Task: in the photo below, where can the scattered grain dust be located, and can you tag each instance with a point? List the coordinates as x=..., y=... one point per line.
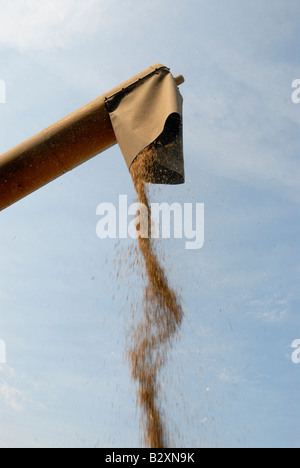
x=160, y=319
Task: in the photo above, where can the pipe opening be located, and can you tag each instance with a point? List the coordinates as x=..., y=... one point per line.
x=166, y=154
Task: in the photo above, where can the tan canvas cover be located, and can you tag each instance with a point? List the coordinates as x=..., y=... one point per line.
x=150, y=111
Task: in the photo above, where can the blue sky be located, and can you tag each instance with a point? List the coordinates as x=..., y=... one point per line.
x=230, y=381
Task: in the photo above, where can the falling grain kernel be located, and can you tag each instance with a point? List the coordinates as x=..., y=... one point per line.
x=160, y=320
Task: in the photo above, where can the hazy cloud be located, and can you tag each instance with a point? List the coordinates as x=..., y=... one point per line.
x=48, y=24
x=269, y=309
x=9, y=395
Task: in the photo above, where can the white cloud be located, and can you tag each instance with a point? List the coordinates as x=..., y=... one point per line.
x=10, y=395
x=228, y=376
x=268, y=309
x=45, y=25
x=16, y=391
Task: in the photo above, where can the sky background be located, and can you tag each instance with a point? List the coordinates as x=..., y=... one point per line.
x=230, y=380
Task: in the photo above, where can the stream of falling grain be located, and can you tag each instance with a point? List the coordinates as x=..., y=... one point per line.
x=160, y=321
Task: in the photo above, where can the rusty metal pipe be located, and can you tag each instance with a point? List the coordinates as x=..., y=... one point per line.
x=61, y=147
